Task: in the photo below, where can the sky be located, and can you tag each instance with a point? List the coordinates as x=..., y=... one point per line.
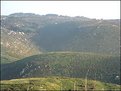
x=90, y=9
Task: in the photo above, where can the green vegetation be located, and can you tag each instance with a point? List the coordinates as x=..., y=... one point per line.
x=55, y=83
x=7, y=59
x=70, y=64
x=38, y=47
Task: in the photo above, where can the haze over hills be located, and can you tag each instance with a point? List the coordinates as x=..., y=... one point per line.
x=54, y=45
x=51, y=32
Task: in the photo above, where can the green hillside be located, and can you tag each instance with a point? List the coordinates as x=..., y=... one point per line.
x=56, y=83
x=105, y=68
x=54, y=51
x=7, y=59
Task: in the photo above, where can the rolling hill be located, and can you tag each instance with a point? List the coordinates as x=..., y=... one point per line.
x=95, y=66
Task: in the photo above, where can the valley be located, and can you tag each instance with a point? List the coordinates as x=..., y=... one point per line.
x=55, y=52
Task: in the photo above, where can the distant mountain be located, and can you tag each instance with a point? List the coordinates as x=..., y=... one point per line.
x=105, y=68
x=53, y=32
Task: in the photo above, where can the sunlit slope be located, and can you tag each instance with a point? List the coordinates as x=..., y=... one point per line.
x=56, y=83
x=15, y=45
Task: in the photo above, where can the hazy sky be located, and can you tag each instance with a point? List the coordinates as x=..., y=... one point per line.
x=91, y=9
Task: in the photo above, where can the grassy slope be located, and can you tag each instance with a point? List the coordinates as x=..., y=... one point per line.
x=56, y=83
x=7, y=59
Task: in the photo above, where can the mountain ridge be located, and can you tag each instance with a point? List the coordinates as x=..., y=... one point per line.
x=62, y=33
